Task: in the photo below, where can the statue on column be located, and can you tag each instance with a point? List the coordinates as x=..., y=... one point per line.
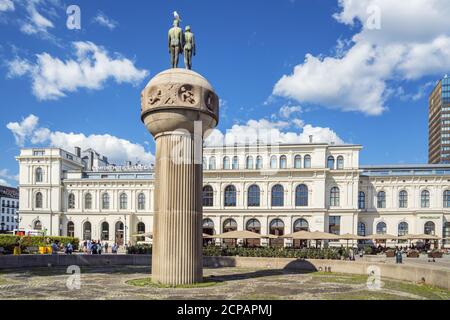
x=175, y=42
x=188, y=47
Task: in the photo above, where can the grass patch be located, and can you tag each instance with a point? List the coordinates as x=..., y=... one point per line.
x=148, y=283
x=2, y=280
x=364, y=295
x=422, y=290
x=258, y=296
x=341, y=278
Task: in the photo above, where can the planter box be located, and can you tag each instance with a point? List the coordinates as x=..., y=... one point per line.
x=435, y=255
x=390, y=254
x=412, y=254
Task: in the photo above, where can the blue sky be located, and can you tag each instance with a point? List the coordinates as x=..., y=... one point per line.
x=344, y=71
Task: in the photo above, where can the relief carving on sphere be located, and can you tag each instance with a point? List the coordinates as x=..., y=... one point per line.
x=211, y=101
x=186, y=94
x=162, y=95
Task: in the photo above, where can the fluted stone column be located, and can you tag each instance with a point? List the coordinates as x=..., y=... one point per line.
x=179, y=107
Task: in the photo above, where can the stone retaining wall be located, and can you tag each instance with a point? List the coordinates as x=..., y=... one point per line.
x=433, y=275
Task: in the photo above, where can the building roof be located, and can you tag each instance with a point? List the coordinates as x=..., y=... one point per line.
x=9, y=192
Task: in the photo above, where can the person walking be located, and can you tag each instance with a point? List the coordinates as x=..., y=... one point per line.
x=106, y=247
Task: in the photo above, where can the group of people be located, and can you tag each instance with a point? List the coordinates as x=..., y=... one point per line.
x=97, y=247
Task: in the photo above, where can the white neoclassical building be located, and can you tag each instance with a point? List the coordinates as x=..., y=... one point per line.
x=267, y=189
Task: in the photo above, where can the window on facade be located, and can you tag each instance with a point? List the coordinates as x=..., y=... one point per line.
x=361, y=200
x=254, y=196
x=330, y=163
x=71, y=201
x=307, y=162
x=105, y=231
x=340, y=162
x=230, y=196
x=105, y=201
x=425, y=199
x=334, y=224
x=273, y=162
x=141, y=201
x=226, y=163
x=277, y=227
x=447, y=199
x=259, y=162
x=205, y=163
x=334, y=197
x=283, y=162
x=361, y=229
x=381, y=199
x=253, y=225
x=249, y=162
x=38, y=200
x=381, y=228
x=297, y=162
x=70, y=229
x=229, y=225
x=402, y=228
x=301, y=196
x=429, y=228
x=208, y=226
x=87, y=231
x=37, y=225
x=123, y=199
x=208, y=196
x=88, y=201
x=446, y=232
x=403, y=199
x=301, y=225
x=39, y=175
x=212, y=163
x=235, y=164
x=140, y=230
x=277, y=196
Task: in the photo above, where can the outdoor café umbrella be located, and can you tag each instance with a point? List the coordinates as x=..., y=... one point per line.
x=147, y=235
x=419, y=237
x=207, y=236
x=316, y=235
x=349, y=236
x=244, y=234
x=381, y=237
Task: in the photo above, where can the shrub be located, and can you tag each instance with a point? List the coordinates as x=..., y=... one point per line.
x=140, y=249
x=9, y=241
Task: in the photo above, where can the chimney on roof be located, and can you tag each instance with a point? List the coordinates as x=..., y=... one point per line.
x=78, y=152
x=128, y=163
x=310, y=139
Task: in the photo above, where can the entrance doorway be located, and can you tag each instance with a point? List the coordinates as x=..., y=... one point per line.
x=119, y=233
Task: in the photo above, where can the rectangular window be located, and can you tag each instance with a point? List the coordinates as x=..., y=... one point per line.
x=38, y=153
x=334, y=224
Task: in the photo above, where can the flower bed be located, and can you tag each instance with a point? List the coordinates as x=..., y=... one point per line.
x=8, y=242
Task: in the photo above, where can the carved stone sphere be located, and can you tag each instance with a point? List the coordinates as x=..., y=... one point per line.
x=175, y=99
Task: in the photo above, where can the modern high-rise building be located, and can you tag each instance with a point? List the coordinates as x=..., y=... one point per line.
x=439, y=123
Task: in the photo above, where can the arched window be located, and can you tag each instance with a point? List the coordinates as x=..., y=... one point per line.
x=402, y=228
x=361, y=200
x=249, y=162
x=403, y=199
x=301, y=225
x=361, y=229
x=38, y=200
x=330, y=163
x=447, y=199
x=283, y=162
x=340, y=162
x=37, y=225
x=446, y=232
x=229, y=225
x=140, y=230
x=212, y=163
x=123, y=199
x=119, y=232
x=297, y=162
x=253, y=225
x=429, y=228
x=39, y=175
x=277, y=227
x=208, y=196
x=425, y=199
x=235, y=164
x=301, y=196
x=71, y=201
x=88, y=201
x=105, y=231
x=381, y=228
x=273, y=162
x=87, y=231
x=208, y=226
x=141, y=201
x=205, y=163
x=226, y=163
x=70, y=229
x=259, y=162
x=277, y=196
x=334, y=197
x=307, y=162
x=381, y=199
x=230, y=196
x=254, y=196
x=105, y=201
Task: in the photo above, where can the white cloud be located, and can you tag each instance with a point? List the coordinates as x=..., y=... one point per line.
x=105, y=21
x=6, y=5
x=286, y=111
x=116, y=149
x=6, y=178
x=36, y=22
x=52, y=78
x=413, y=41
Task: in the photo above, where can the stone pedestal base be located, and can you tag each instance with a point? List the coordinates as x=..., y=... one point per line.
x=177, y=236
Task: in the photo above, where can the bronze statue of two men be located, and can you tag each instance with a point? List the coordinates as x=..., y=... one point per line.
x=181, y=43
